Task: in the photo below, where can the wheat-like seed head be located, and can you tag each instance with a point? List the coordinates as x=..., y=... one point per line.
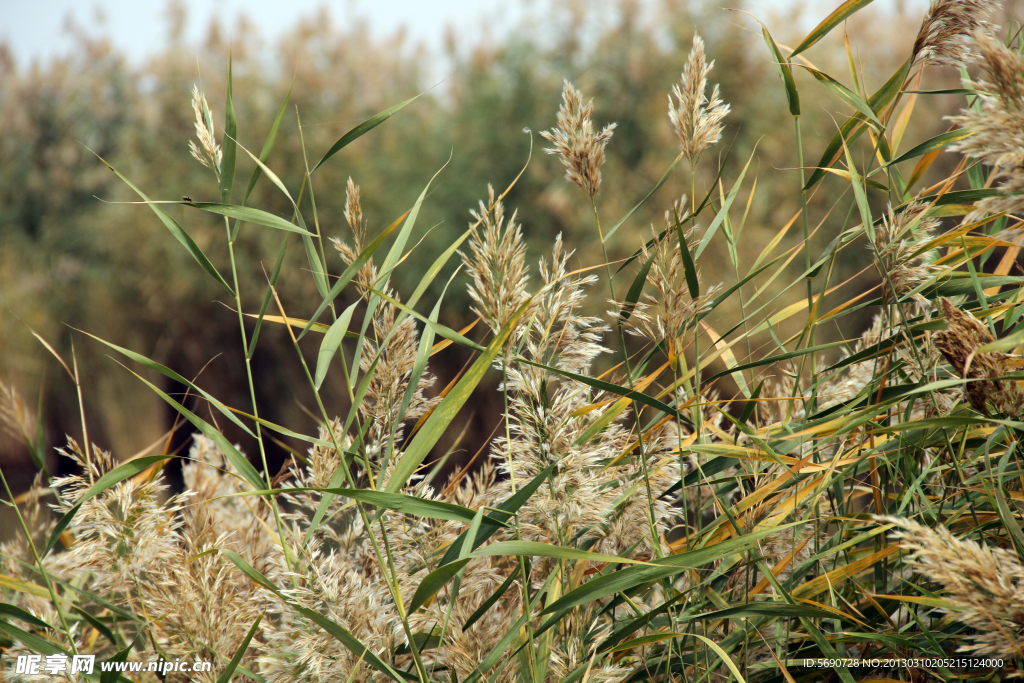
x=354, y=214
x=207, y=152
x=668, y=314
x=496, y=263
x=696, y=119
x=578, y=147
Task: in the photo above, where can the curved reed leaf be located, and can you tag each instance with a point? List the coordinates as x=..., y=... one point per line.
x=176, y=230
x=362, y=129
x=249, y=215
x=838, y=16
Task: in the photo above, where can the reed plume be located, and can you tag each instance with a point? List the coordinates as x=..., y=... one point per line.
x=984, y=584
x=207, y=152
x=577, y=145
x=900, y=249
x=696, y=119
x=945, y=34
x=987, y=392
x=997, y=125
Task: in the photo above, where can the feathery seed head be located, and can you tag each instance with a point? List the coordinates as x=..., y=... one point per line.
x=496, y=263
x=579, y=148
x=988, y=393
x=354, y=213
x=985, y=584
x=997, y=126
x=207, y=152
x=669, y=313
x=945, y=32
x=696, y=119
x=898, y=245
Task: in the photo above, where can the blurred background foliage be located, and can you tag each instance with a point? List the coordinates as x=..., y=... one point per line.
x=71, y=257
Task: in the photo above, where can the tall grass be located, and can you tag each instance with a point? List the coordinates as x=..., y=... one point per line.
x=629, y=519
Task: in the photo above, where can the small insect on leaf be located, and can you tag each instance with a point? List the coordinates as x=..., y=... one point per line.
x=186, y=198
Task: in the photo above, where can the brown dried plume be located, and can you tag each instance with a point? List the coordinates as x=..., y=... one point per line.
x=989, y=394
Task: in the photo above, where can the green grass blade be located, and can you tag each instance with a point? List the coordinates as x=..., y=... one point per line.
x=171, y=374
x=122, y=656
x=228, y=144
x=249, y=215
x=690, y=270
x=637, y=396
x=635, y=290
x=785, y=71
x=362, y=129
x=507, y=508
x=390, y=261
x=624, y=580
x=713, y=228
x=268, y=145
x=435, y=581
x=854, y=126
x=31, y=640
x=539, y=549
x=229, y=670
x=446, y=411
x=938, y=142
x=847, y=95
x=331, y=343
x=267, y=296
x=837, y=17
x=339, y=632
x=176, y=230
x=349, y=273
x=239, y=461
x=8, y=610
x=860, y=194
x=654, y=189
x=400, y=502
x=723, y=656
x=493, y=598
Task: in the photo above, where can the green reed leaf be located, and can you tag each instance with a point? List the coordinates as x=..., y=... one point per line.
x=362, y=129
x=838, y=16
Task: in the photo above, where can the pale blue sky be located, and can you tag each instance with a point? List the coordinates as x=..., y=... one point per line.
x=34, y=29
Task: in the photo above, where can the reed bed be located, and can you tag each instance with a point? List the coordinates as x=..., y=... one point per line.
x=650, y=508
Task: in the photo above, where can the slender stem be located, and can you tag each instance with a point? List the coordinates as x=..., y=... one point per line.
x=807, y=266
x=655, y=542
x=87, y=447
x=252, y=395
